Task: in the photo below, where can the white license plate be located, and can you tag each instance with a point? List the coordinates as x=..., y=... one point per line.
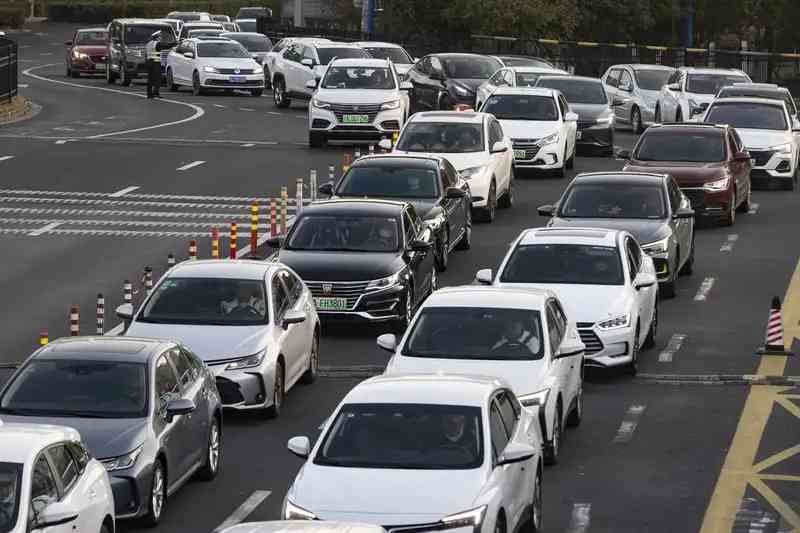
x=99, y=66
x=578, y=135
x=520, y=154
x=355, y=119
x=238, y=79
x=331, y=304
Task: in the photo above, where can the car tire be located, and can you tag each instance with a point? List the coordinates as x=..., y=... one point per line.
x=500, y=524
x=434, y=280
x=278, y=391
x=633, y=367
x=267, y=79
x=465, y=243
x=576, y=415
x=446, y=103
x=316, y=140
x=507, y=200
x=171, y=85
x=729, y=219
x=552, y=446
x=124, y=79
x=104, y=529
x=636, y=120
x=257, y=92
x=111, y=78
x=442, y=249
x=650, y=340
x=73, y=73
x=197, y=89
x=744, y=207
x=487, y=214
x=688, y=267
x=571, y=160
x=408, y=311
x=561, y=172
x=213, y=453
x=536, y=504
x=158, y=495
x=279, y=94
x=310, y=375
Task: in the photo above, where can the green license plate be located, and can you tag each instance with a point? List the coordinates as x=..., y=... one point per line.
x=520, y=154
x=355, y=119
x=331, y=304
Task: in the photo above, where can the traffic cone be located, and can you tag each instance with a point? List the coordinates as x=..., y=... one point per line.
x=774, y=339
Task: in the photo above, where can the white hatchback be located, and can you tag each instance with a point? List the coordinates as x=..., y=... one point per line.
x=423, y=453
x=213, y=63
x=520, y=335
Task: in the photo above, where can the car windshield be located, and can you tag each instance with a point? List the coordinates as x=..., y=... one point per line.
x=441, y=137
x=742, y=115
x=681, y=146
x=82, y=388
x=395, y=55
x=711, y=83
x=608, y=200
x=252, y=43
x=404, y=436
x=221, y=49
x=651, y=80
x=207, y=301
x=10, y=495
x=574, y=264
x=471, y=67
x=389, y=182
x=140, y=34
x=326, y=54
x=514, y=61
x=345, y=233
x=198, y=33
x=358, y=78
x=521, y=107
x=247, y=25
x=576, y=91
x=91, y=38
x=476, y=333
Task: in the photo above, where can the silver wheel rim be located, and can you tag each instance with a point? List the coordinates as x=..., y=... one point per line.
x=537, y=504
x=277, y=393
x=157, y=499
x=556, y=434
x=314, y=358
x=277, y=91
x=213, y=448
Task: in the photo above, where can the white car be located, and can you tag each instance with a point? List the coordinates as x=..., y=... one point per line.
x=49, y=482
x=513, y=77
x=768, y=132
x=541, y=126
x=637, y=86
x=253, y=323
x=475, y=144
x=522, y=336
x=277, y=48
x=302, y=526
x=210, y=63
x=689, y=90
x=392, y=52
x=605, y=281
x=423, y=452
x=357, y=99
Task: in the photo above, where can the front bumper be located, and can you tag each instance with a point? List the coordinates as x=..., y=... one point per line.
x=544, y=157
x=242, y=389
x=596, y=136
x=228, y=81
x=87, y=67
x=374, y=306
x=382, y=124
x=708, y=204
x=770, y=165
x=131, y=489
x=606, y=348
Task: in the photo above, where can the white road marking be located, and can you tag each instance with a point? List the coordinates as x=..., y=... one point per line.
x=46, y=54
x=61, y=213
x=248, y=145
x=273, y=113
x=125, y=203
x=190, y=165
x=141, y=196
x=673, y=346
x=44, y=229
x=301, y=117
x=123, y=192
x=6, y=157
x=127, y=223
x=580, y=519
x=728, y=246
x=61, y=141
x=753, y=209
x=702, y=292
x=220, y=106
x=246, y=109
x=22, y=85
x=114, y=233
x=629, y=423
x=63, y=128
x=244, y=510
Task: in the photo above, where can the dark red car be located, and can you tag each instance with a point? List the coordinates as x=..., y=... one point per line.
x=708, y=161
x=86, y=52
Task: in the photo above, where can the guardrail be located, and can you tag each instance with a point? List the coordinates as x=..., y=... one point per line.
x=8, y=69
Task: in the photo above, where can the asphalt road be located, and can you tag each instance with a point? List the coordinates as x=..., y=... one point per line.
x=94, y=192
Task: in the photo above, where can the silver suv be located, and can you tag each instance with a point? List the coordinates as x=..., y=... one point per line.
x=637, y=86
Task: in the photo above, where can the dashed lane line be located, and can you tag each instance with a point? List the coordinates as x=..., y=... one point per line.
x=6, y=157
x=190, y=165
x=248, y=145
x=753, y=209
x=580, y=519
x=728, y=245
x=52, y=223
x=111, y=233
x=629, y=423
x=246, y=109
x=44, y=229
x=120, y=203
x=61, y=141
x=173, y=141
x=123, y=192
x=274, y=113
x=672, y=347
x=139, y=196
x=705, y=288
x=63, y=212
x=244, y=510
x=220, y=106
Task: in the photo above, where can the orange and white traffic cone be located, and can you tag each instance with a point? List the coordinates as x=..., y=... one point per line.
x=774, y=339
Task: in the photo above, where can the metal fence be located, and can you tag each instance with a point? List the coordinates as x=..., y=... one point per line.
x=8, y=69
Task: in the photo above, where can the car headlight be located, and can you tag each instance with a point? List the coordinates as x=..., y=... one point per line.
x=258, y=70
x=621, y=321
x=472, y=518
x=79, y=55
x=606, y=120
x=782, y=148
x=247, y=362
x=210, y=70
x=717, y=185
x=294, y=512
x=470, y=172
x=319, y=104
x=656, y=247
x=388, y=281
x=123, y=461
x=394, y=104
x=536, y=398
x=550, y=139
x=460, y=90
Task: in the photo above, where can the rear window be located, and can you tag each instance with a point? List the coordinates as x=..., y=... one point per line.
x=681, y=146
x=742, y=115
x=326, y=54
x=577, y=91
x=91, y=38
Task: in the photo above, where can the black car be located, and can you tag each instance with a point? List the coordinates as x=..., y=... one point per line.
x=368, y=260
x=442, y=81
x=431, y=184
x=126, y=54
x=649, y=206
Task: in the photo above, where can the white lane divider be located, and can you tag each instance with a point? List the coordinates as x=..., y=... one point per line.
x=44, y=229
x=673, y=346
x=702, y=292
x=22, y=85
x=728, y=246
x=6, y=157
x=220, y=106
x=248, y=145
x=629, y=423
x=61, y=141
x=190, y=165
x=123, y=192
x=66, y=212
x=141, y=196
x=244, y=510
x=753, y=209
x=246, y=109
x=273, y=113
x=580, y=519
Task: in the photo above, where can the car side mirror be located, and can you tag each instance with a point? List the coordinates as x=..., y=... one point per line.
x=326, y=189
x=546, y=210
x=276, y=242
x=516, y=452
x=406, y=86
x=499, y=147
x=674, y=87
x=178, y=407
x=454, y=192
x=125, y=312
x=684, y=213
x=415, y=59
x=644, y=279
x=311, y=84
x=624, y=154
x=571, y=117
x=300, y=446
x=188, y=55
x=420, y=246
x=307, y=62
x=388, y=342
x=743, y=156
x=385, y=144
x=484, y=276
x=293, y=317
x=53, y=514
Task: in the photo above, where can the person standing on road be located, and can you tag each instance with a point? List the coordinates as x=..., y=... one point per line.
x=160, y=40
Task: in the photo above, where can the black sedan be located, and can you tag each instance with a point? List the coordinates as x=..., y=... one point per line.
x=442, y=81
x=430, y=183
x=367, y=260
x=649, y=206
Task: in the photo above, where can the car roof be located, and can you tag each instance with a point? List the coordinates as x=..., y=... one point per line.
x=303, y=526
x=333, y=44
x=491, y=297
x=22, y=442
x=437, y=389
x=360, y=62
x=617, y=176
x=708, y=70
x=687, y=126
x=142, y=22
x=208, y=38
x=642, y=66
x=377, y=44
x=532, y=91
x=585, y=236
x=205, y=23
x=748, y=100
x=103, y=348
x=454, y=55
x=244, y=34
x=572, y=78
x=228, y=269
x=463, y=117
x=536, y=70
x=81, y=30
x=355, y=206
x=397, y=160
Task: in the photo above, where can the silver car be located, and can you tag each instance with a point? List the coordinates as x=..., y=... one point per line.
x=637, y=86
x=254, y=324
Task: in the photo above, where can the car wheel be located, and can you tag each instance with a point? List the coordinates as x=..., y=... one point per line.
x=274, y=410
x=729, y=219
x=442, y=248
x=486, y=214
x=267, y=79
x=257, y=92
x=576, y=415
x=104, y=529
x=197, y=89
x=552, y=446
x=466, y=238
x=562, y=171
x=434, y=281
x=310, y=375
x=124, y=79
x=507, y=200
x=408, y=310
x=446, y=103
x=171, y=85
x=536, y=505
x=571, y=161
x=500, y=524
x=158, y=495
x=213, y=451
x=279, y=94
x=744, y=207
x=110, y=77
x=633, y=367
x=688, y=267
x=650, y=340
x=636, y=120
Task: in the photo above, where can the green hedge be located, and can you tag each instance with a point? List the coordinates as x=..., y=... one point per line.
x=98, y=11
x=12, y=15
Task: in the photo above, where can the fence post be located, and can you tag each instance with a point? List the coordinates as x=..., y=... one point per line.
x=233, y=241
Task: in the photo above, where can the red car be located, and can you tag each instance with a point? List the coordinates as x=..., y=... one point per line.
x=708, y=161
x=86, y=52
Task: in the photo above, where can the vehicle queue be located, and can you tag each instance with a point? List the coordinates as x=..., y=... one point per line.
x=483, y=378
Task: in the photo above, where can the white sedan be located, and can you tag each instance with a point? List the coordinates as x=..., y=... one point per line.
x=49, y=482
x=518, y=76
x=423, y=452
x=475, y=144
x=605, y=281
x=213, y=63
x=254, y=324
x=520, y=335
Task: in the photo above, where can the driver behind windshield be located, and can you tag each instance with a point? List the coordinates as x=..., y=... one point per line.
x=245, y=299
x=516, y=334
x=8, y=499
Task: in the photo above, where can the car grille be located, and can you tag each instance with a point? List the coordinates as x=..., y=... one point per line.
x=164, y=55
x=762, y=157
x=356, y=109
x=240, y=71
x=229, y=391
x=589, y=338
x=696, y=196
x=526, y=144
x=351, y=290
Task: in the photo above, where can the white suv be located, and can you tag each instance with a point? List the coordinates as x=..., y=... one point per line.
x=303, y=61
x=522, y=336
x=392, y=52
x=357, y=99
x=213, y=63
x=689, y=90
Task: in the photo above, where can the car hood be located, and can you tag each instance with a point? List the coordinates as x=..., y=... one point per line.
x=341, y=266
x=230, y=62
x=356, y=96
x=470, y=83
x=590, y=111
x=643, y=230
x=90, y=49
x=105, y=437
x=760, y=139
x=208, y=342
x=460, y=161
x=529, y=129
x=425, y=493
x=423, y=206
x=686, y=174
x=606, y=300
x=700, y=98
